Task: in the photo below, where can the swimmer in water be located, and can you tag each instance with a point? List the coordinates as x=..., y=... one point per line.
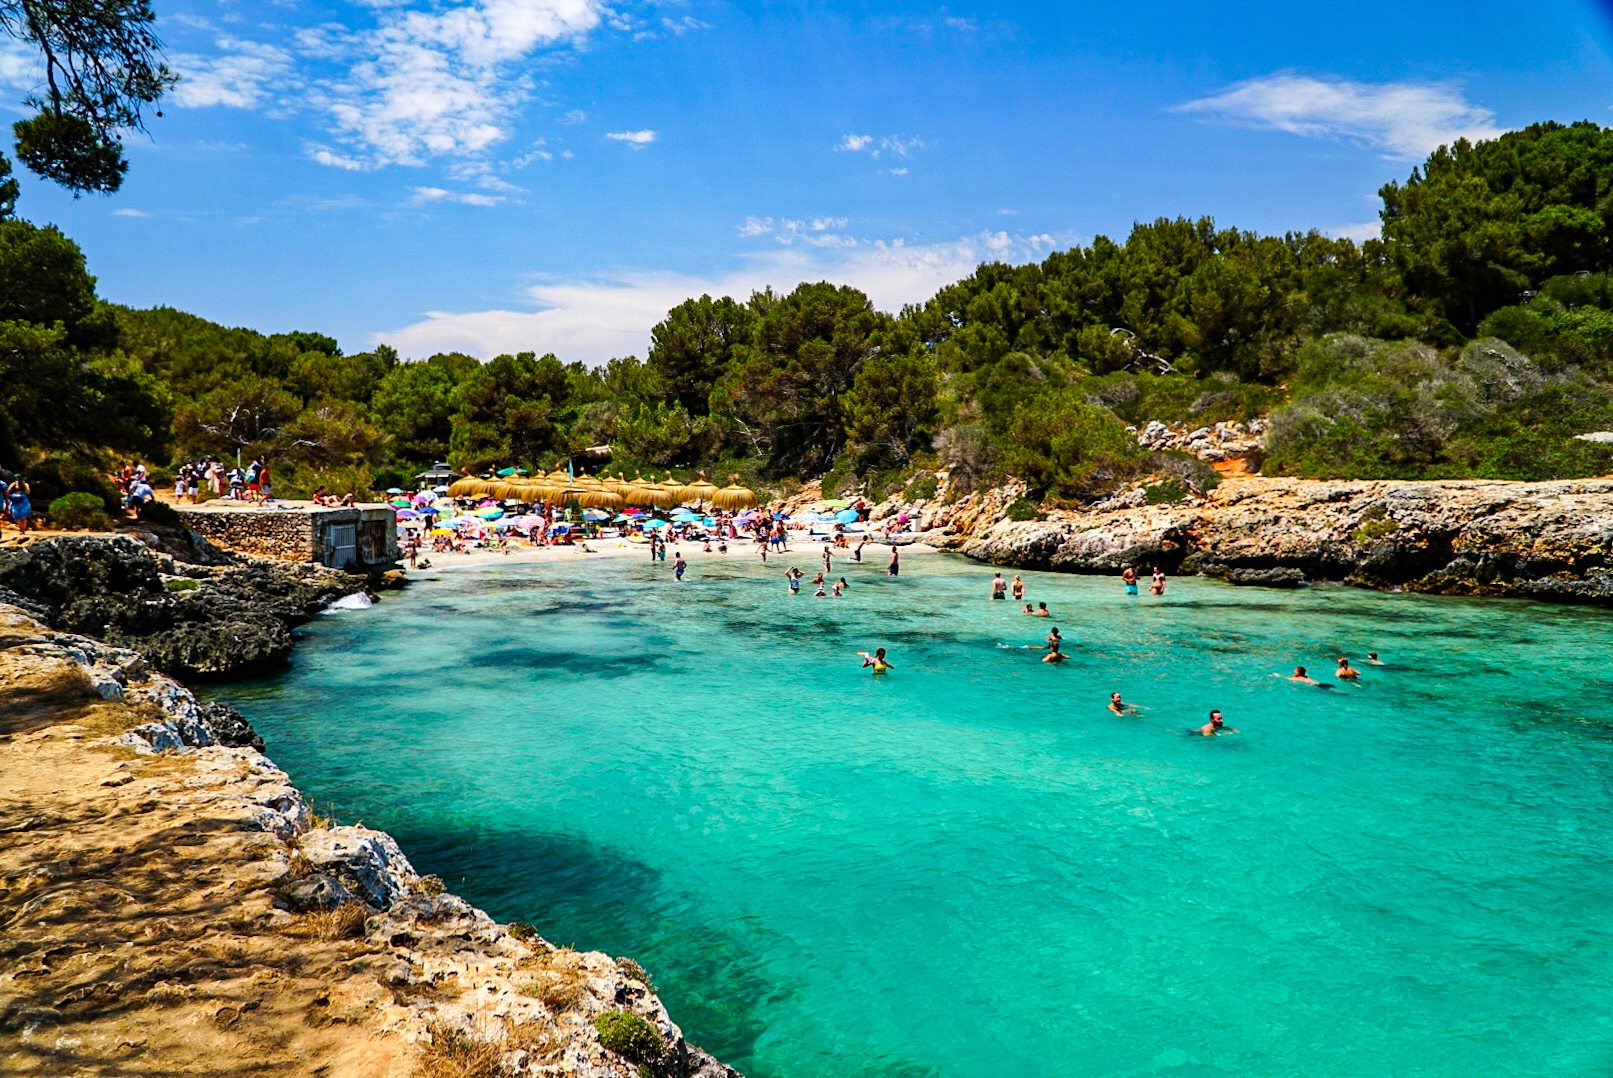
x=820, y=593
x=999, y=587
x=1029, y=609
x=1301, y=677
x=1373, y=660
x=1158, y=585
x=678, y=566
x=1120, y=707
x=1017, y=588
x=840, y=587
x=895, y=567
x=1128, y=577
x=1055, y=642
x=1054, y=657
x=1216, y=726
x=1346, y=672
x=877, y=660
x=794, y=575
x=1042, y=611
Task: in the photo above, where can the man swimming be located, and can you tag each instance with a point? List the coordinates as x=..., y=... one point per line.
x=877, y=660
x=1029, y=609
x=1346, y=672
x=1042, y=611
x=1054, y=657
x=1373, y=660
x=1216, y=726
x=1301, y=677
x=1120, y=707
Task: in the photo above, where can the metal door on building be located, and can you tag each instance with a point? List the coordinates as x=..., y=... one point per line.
x=341, y=546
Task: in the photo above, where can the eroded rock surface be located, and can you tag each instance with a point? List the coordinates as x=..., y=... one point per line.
x=169, y=906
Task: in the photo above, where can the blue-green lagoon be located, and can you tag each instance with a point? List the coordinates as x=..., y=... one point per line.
x=969, y=866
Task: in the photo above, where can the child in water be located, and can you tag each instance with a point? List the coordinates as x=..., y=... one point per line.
x=877, y=660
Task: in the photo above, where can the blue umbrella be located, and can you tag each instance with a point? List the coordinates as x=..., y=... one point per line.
x=847, y=516
x=656, y=524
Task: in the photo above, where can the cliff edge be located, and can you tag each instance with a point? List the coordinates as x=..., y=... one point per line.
x=171, y=906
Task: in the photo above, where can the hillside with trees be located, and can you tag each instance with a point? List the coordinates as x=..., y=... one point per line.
x=1475, y=338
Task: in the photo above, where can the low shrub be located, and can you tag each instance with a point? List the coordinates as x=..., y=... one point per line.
x=452, y=1053
x=79, y=511
x=630, y=1036
x=921, y=488
x=1371, y=531
x=635, y=972
x=431, y=885
x=183, y=584
x=1165, y=492
x=155, y=512
x=1023, y=509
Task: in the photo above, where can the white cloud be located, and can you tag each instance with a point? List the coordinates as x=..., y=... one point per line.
x=1366, y=230
x=130, y=213
x=898, y=172
x=967, y=26
x=756, y=226
x=437, y=82
x=575, y=116
x=1404, y=120
x=19, y=67
x=421, y=196
x=324, y=155
x=636, y=139
x=612, y=315
x=243, y=75
x=895, y=145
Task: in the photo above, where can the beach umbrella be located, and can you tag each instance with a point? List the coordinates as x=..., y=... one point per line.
x=439, y=489
x=560, y=527
x=596, y=498
x=461, y=488
x=595, y=515
x=407, y=514
x=490, y=514
x=700, y=491
x=734, y=496
x=656, y=525
x=846, y=516
x=505, y=473
x=399, y=503
x=674, y=488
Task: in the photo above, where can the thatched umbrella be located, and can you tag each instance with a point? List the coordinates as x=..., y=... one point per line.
x=653, y=493
x=700, y=491
x=464, y=487
x=594, y=498
x=734, y=496
x=674, y=488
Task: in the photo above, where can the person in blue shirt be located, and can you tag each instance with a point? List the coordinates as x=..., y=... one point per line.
x=22, y=510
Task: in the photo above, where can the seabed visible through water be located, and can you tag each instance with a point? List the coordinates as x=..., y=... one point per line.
x=969, y=866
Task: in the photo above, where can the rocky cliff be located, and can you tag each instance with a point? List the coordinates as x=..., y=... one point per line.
x=169, y=905
x=1462, y=537
x=188, y=618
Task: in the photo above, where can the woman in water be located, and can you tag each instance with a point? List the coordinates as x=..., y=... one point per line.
x=794, y=575
x=1017, y=588
x=840, y=587
x=1158, y=585
x=877, y=660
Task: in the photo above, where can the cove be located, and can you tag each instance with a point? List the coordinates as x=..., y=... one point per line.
x=969, y=866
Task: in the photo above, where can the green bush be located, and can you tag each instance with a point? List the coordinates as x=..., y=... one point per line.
x=57, y=474
x=182, y=584
x=630, y=1036
x=635, y=972
x=79, y=511
x=1023, y=509
x=921, y=488
x=1165, y=492
x=155, y=512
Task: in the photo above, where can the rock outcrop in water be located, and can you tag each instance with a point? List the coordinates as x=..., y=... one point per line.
x=1462, y=537
x=190, y=620
x=173, y=907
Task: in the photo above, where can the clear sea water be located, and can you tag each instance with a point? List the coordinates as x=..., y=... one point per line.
x=969, y=867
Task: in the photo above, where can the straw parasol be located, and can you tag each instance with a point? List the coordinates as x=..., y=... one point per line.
x=674, y=488
x=594, y=497
x=700, y=491
x=653, y=493
x=464, y=487
x=734, y=496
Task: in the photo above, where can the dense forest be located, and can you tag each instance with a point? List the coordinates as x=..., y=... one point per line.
x=1475, y=338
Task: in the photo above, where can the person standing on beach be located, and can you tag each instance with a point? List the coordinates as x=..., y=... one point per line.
x=19, y=505
x=678, y=566
x=999, y=587
x=1128, y=576
x=1158, y=585
x=895, y=567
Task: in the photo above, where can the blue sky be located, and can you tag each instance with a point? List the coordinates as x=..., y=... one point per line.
x=552, y=175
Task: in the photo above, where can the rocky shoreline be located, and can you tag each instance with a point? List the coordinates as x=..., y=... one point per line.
x=1547, y=541
x=172, y=904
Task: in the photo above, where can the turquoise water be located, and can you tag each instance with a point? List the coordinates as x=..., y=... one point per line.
x=969, y=866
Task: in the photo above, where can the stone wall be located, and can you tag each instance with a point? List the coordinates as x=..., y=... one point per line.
x=295, y=533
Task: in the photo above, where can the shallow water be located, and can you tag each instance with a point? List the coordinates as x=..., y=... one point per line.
x=969, y=866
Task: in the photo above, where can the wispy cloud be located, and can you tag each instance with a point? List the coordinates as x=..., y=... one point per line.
x=1403, y=120
x=1365, y=230
x=612, y=314
x=895, y=145
x=636, y=139
x=126, y=212
x=421, y=196
x=242, y=75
